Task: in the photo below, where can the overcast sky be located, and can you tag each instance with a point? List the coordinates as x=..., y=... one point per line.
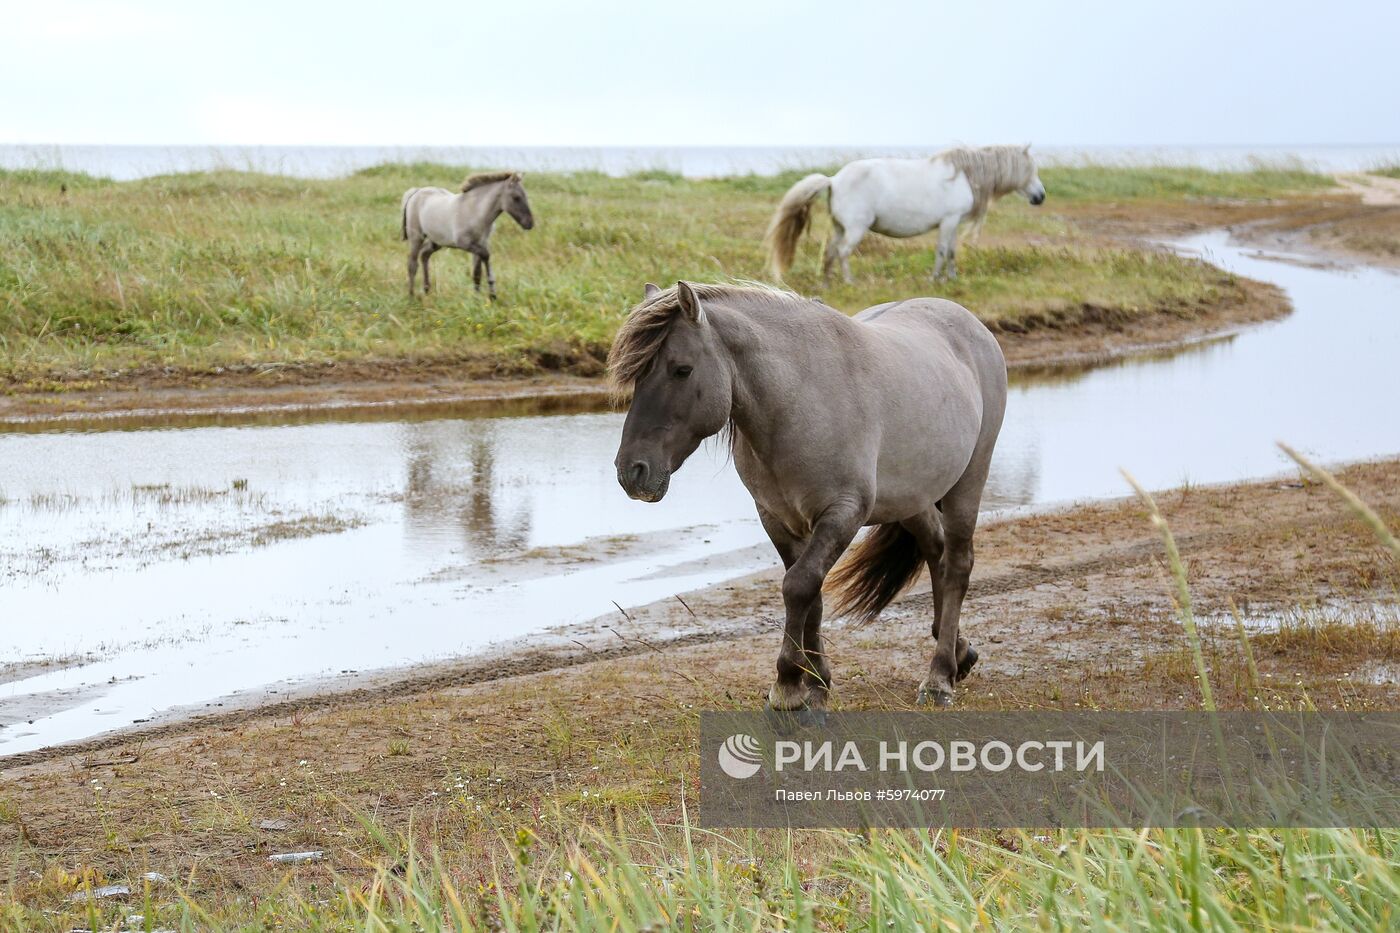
x=595, y=72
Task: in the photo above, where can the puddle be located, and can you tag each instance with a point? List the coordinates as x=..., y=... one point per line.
x=1337, y=614
x=182, y=564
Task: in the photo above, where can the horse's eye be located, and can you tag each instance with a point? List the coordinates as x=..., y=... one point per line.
x=683, y=371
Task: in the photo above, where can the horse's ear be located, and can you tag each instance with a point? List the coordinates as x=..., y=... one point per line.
x=650, y=291
x=689, y=302
x=1026, y=148
x=520, y=176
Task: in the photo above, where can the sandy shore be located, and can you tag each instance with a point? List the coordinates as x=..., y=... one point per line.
x=1070, y=609
x=1106, y=554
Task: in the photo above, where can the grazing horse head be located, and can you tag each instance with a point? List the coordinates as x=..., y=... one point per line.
x=682, y=387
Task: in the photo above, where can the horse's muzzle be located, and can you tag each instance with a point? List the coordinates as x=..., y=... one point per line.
x=640, y=482
x=1037, y=199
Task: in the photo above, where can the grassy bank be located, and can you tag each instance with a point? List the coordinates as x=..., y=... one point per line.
x=227, y=268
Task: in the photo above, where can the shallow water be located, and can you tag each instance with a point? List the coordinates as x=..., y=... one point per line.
x=169, y=567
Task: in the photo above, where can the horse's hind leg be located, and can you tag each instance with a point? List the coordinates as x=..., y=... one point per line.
x=927, y=530
x=842, y=243
x=959, y=508
x=846, y=244
x=831, y=253
x=415, y=246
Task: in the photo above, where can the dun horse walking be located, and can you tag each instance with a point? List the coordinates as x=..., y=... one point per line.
x=886, y=420
x=435, y=217
x=902, y=198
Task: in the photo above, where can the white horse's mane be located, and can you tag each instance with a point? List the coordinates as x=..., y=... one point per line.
x=991, y=171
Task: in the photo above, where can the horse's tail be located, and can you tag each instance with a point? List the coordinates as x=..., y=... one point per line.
x=790, y=220
x=876, y=570
x=403, y=210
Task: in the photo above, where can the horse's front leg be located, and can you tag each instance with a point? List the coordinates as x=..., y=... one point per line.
x=947, y=248
x=801, y=659
x=816, y=673
x=428, y=249
x=490, y=277
x=476, y=272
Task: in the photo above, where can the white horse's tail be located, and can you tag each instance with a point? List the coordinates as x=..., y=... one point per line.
x=403, y=210
x=790, y=221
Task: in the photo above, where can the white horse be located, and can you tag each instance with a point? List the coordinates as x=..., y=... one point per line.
x=435, y=217
x=902, y=198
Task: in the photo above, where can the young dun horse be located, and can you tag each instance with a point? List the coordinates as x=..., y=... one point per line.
x=435, y=217
x=887, y=419
x=902, y=198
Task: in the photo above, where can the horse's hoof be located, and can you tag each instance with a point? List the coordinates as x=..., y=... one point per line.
x=969, y=661
x=803, y=717
x=810, y=718
x=941, y=699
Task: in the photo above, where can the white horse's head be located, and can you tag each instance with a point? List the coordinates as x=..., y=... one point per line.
x=1035, y=189
x=993, y=171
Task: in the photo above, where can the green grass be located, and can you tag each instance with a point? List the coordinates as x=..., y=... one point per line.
x=1122, y=183
x=223, y=268
x=1389, y=171
x=681, y=878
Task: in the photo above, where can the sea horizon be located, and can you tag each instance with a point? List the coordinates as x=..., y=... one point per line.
x=129, y=161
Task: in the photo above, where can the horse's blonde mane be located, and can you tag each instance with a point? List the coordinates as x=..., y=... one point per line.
x=484, y=178
x=647, y=325
x=991, y=171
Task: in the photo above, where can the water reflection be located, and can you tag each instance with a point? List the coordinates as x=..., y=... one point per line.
x=1015, y=476
x=452, y=493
